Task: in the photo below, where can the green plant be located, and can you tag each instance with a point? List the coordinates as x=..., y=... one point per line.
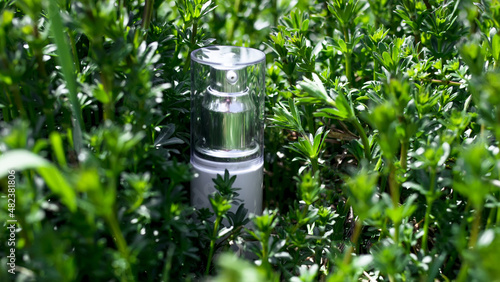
x=382, y=157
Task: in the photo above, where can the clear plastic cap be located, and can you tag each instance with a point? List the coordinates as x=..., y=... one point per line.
x=227, y=103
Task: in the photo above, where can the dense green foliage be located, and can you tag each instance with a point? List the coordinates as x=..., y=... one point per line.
x=382, y=157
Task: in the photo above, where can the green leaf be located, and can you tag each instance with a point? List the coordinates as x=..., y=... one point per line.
x=495, y=47
x=22, y=160
x=387, y=58
x=315, y=88
x=68, y=69
x=101, y=95
x=165, y=136
x=288, y=119
x=57, y=147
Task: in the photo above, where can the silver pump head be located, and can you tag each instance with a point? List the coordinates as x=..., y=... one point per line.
x=227, y=101
x=228, y=80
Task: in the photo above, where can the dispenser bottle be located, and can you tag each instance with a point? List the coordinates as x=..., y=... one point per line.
x=227, y=122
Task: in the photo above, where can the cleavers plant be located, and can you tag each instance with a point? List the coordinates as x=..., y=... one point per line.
x=382, y=157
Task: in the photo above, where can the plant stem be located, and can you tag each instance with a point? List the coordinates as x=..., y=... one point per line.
x=394, y=189
x=148, y=11
x=107, y=84
x=193, y=41
x=475, y=228
x=491, y=217
x=48, y=109
x=275, y=9
x=116, y=231
x=314, y=164
x=393, y=185
x=108, y=111
x=378, y=164
x=304, y=214
x=212, y=244
x=364, y=138
x=426, y=225
x=347, y=56
x=462, y=275
x=440, y=44
x=18, y=102
x=357, y=232
x=396, y=232
x=403, y=160
x=318, y=250
x=120, y=243
x=265, y=257
x=354, y=240
x=348, y=71
x=168, y=263
x=193, y=35
x=498, y=216
x=310, y=118
x=73, y=49
x=430, y=200
x=234, y=23
x=442, y=82
x=383, y=230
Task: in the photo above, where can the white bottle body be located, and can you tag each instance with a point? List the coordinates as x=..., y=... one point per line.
x=249, y=177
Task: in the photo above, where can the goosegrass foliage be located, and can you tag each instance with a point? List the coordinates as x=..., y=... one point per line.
x=95, y=103
x=405, y=148
x=381, y=143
